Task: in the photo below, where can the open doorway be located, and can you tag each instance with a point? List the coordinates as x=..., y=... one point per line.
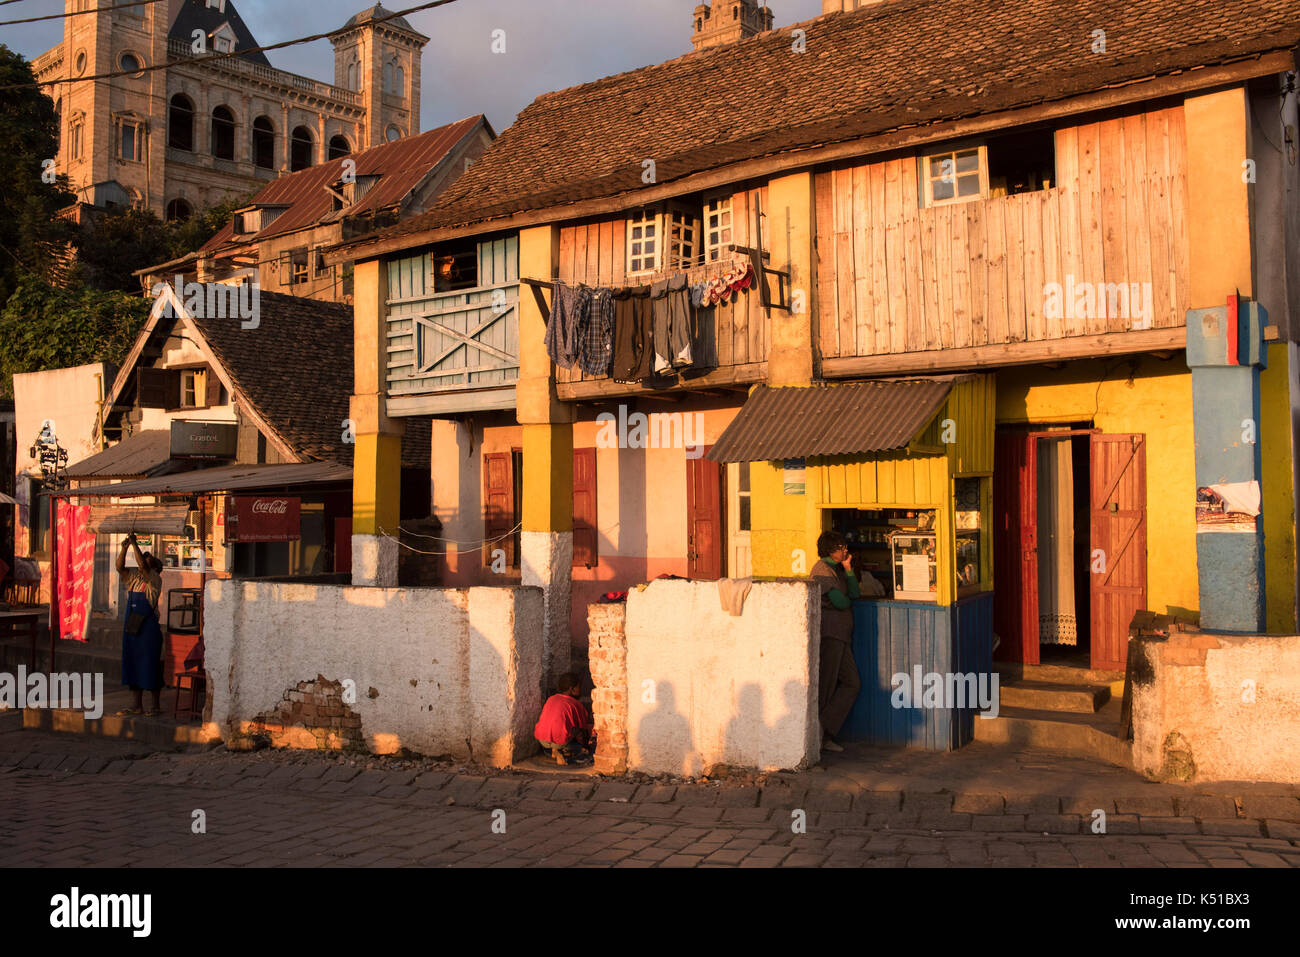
x=1064, y=605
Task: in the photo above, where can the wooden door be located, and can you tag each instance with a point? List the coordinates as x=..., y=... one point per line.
x=498, y=506
x=704, y=526
x=585, y=551
x=1118, y=562
x=1015, y=547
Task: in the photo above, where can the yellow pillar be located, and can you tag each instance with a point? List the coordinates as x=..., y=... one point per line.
x=1219, y=198
x=546, y=542
x=377, y=456
x=1276, y=386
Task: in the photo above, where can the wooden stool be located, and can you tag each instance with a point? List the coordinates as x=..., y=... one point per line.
x=195, y=682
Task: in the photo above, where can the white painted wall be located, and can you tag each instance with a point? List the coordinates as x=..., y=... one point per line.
x=729, y=690
x=455, y=670
x=1231, y=702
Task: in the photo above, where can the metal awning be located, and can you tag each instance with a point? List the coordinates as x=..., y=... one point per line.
x=136, y=455
x=851, y=419
x=229, y=478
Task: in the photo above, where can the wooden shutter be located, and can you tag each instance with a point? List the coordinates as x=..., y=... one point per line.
x=498, y=507
x=1119, y=531
x=213, y=397
x=585, y=552
x=158, y=389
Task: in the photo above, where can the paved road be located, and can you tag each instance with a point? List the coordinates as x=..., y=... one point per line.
x=77, y=803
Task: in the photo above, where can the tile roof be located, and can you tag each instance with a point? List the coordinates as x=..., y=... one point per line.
x=893, y=65
x=401, y=166
x=295, y=370
x=851, y=419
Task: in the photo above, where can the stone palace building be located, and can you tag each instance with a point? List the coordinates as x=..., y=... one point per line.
x=191, y=134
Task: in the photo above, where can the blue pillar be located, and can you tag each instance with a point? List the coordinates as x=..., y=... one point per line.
x=1226, y=352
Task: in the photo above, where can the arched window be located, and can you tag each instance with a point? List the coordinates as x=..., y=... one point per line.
x=180, y=123
x=400, y=82
x=302, y=149
x=339, y=146
x=353, y=73
x=392, y=134
x=179, y=210
x=223, y=133
x=388, y=77
x=58, y=123
x=263, y=143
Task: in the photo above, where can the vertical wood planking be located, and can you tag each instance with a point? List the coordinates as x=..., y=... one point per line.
x=853, y=215
x=1067, y=168
x=1138, y=216
x=735, y=315
x=1054, y=325
x=934, y=320
x=1178, y=211
x=995, y=241
x=1033, y=260
x=1088, y=140
x=759, y=320
x=894, y=252
x=1162, y=237
x=1014, y=223
x=978, y=257
x=1113, y=221
x=915, y=332
x=960, y=265
x=878, y=343
x=943, y=270
x=828, y=273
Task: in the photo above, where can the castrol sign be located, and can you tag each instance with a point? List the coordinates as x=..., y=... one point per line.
x=263, y=519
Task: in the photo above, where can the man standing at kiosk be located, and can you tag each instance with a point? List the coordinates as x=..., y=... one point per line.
x=838, y=683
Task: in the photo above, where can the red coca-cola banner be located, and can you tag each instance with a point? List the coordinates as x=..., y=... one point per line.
x=76, y=563
x=263, y=519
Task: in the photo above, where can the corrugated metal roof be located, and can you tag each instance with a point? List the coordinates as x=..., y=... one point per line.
x=852, y=419
x=229, y=478
x=400, y=166
x=136, y=455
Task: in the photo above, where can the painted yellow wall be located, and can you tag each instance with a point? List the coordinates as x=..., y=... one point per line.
x=1276, y=480
x=1155, y=401
x=1218, y=197
x=376, y=483
x=783, y=528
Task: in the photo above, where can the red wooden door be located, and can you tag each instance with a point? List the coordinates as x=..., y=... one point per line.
x=703, y=518
x=1118, y=563
x=585, y=553
x=1015, y=547
x=498, y=506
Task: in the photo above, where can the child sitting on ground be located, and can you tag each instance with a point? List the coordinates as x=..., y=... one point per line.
x=565, y=726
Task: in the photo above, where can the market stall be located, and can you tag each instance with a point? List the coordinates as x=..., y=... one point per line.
x=902, y=469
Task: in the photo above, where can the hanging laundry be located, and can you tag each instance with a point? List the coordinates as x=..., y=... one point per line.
x=596, y=344
x=633, y=345
x=570, y=311
x=671, y=301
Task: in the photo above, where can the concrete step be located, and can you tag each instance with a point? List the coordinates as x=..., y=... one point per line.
x=1053, y=696
x=69, y=656
x=1066, y=674
x=1095, y=735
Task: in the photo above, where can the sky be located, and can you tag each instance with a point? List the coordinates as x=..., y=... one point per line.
x=549, y=44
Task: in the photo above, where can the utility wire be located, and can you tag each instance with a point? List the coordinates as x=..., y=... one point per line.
x=78, y=13
x=225, y=56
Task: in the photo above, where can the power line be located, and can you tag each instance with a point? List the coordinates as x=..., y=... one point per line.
x=225, y=56
x=78, y=13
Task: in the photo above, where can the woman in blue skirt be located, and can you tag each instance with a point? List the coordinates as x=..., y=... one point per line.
x=142, y=634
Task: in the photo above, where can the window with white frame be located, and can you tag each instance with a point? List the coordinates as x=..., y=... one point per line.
x=683, y=236
x=955, y=176
x=717, y=228
x=643, y=241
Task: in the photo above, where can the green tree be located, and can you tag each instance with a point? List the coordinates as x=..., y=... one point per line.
x=33, y=236
x=43, y=326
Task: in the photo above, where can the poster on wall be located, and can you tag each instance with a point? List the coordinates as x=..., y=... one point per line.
x=793, y=472
x=1230, y=507
x=264, y=519
x=75, y=557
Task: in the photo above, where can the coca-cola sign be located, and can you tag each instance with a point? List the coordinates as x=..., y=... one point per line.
x=263, y=519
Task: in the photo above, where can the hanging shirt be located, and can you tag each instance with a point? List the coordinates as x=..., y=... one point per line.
x=570, y=311
x=633, y=344
x=596, y=346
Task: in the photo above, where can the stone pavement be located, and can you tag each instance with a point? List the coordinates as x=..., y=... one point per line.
x=77, y=801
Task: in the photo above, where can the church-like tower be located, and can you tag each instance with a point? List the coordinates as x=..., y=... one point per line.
x=381, y=61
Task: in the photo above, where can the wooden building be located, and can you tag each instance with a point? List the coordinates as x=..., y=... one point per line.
x=1056, y=208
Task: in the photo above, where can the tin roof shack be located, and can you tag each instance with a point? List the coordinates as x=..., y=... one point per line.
x=909, y=201
x=276, y=240
x=887, y=464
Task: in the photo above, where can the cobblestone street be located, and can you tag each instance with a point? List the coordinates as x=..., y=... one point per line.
x=72, y=801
